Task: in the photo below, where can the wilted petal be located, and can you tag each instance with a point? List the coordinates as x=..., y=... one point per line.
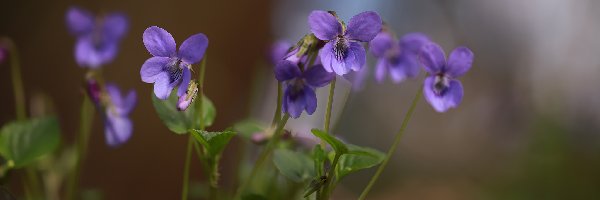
x=79, y=21
x=192, y=49
x=459, y=61
x=380, y=44
x=364, y=26
x=413, y=42
x=432, y=57
x=449, y=98
x=316, y=76
x=159, y=42
x=286, y=70
x=187, y=75
x=324, y=25
x=115, y=26
x=162, y=86
x=117, y=129
x=152, y=67
x=310, y=97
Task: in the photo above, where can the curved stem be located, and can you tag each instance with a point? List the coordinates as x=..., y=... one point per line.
x=186, y=169
x=264, y=155
x=277, y=115
x=17, y=81
x=392, y=149
x=329, y=106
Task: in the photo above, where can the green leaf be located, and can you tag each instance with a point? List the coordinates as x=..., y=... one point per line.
x=335, y=143
x=293, y=165
x=248, y=127
x=358, y=158
x=22, y=142
x=213, y=142
x=319, y=159
x=181, y=122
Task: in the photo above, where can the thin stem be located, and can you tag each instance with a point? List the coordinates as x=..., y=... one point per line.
x=201, y=92
x=277, y=115
x=329, y=106
x=264, y=155
x=17, y=81
x=330, y=177
x=392, y=149
x=85, y=125
x=186, y=169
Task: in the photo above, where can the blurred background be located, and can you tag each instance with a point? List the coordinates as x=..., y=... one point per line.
x=528, y=126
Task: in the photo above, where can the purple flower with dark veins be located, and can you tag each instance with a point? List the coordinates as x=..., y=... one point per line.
x=115, y=110
x=343, y=51
x=441, y=89
x=299, y=94
x=398, y=58
x=97, y=37
x=169, y=68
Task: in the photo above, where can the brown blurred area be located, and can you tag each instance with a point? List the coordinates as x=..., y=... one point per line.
x=149, y=166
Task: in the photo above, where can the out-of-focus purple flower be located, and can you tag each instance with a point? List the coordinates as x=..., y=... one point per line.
x=278, y=50
x=397, y=58
x=299, y=94
x=97, y=37
x=118, y=126
x=3, y=54
x=169, y=68
x=441, y=89
x=343, y=51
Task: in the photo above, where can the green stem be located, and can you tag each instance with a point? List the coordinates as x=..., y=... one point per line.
x=186, y=169
x=201, y=92
x=392, y=149
x=329, y=106
x=264, y=155
x=330, y=178
x=16, y=79
x=85, y=125
x=277, y=115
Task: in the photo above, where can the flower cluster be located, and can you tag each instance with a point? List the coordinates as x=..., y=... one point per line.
x=169, y=68
x=97, y=44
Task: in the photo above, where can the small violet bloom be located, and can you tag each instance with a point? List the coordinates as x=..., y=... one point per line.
x=97, y=37
x=343, y=51
x=299, y=94
x=169, y=68
x=115, y=110
x=441, y=89
x=398, y=58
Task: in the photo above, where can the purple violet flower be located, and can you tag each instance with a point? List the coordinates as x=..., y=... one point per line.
x=441, y=89
x=299, y=94
x=115, y=110
x=398, y=58
x=169, y=68
x=97, y=37
x=343, y=51
x=278, y=51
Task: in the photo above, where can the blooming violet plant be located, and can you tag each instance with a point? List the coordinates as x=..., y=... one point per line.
x=169, y=68
x=399, y=59
x=343, y=51
x=441, y=88
x=97, y=37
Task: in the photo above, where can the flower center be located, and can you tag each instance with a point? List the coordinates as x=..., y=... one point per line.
x=175, y=70
x=297, y=87
x=441, y=84
x=340, y=48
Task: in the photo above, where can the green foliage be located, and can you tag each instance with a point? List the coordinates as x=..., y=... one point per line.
x=181, y=122
x=293, y=165
x=338, y=146
x=22, y=142
x=248, y=127
x=214, y=142
x=358, y=158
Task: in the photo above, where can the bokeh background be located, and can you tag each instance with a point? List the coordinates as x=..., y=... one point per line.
x=528, y=127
